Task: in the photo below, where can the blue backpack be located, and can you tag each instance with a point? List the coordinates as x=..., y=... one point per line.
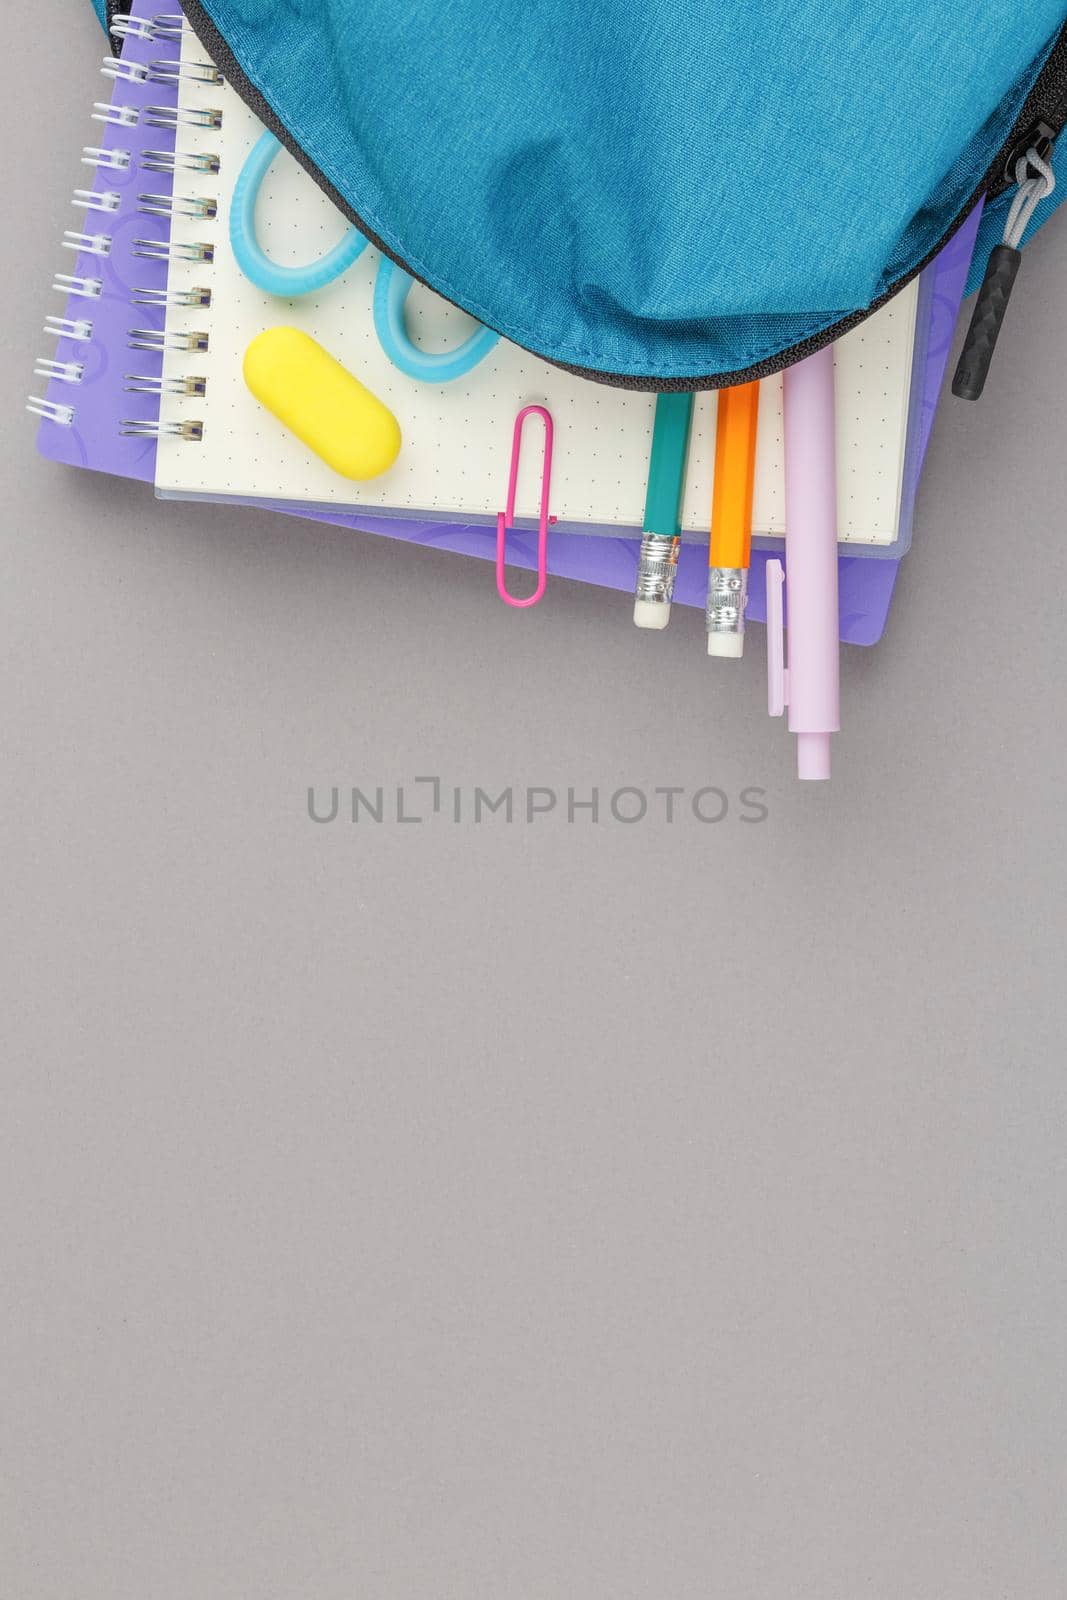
x=662, y=193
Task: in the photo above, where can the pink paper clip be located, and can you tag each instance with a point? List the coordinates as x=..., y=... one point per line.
x=506, y=519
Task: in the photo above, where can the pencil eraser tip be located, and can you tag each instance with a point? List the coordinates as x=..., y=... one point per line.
x=651, y=614
x=728, y=646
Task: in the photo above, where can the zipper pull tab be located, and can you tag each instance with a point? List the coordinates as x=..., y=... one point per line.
x=1036, y=181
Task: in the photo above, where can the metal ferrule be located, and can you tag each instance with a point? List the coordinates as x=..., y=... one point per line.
x=657, y=568
x=727, y=599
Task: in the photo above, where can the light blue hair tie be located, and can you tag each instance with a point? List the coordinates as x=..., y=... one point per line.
x=392, y=287
x=391, y=290
x=289, y=283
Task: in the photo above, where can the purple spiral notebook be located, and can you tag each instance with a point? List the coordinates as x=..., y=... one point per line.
x=100, y=403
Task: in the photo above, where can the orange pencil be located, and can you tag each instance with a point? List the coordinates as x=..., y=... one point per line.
x=730, y=545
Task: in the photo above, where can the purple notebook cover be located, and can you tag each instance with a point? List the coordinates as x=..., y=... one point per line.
x=101, y=403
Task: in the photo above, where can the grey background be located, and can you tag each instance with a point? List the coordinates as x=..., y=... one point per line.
x=447, y=1212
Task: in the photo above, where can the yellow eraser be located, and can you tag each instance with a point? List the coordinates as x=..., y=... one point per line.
x=322, y=403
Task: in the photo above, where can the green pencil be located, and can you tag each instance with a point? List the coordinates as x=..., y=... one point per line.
x=661, y=538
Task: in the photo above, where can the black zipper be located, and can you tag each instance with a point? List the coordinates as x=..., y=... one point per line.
x=1045, y=107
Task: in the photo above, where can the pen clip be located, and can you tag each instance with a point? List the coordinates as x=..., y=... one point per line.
x=777, y=672
x=506, y=519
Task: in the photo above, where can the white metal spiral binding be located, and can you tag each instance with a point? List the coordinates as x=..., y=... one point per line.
x=96, y=200
x=63, y=371
x=184, y=388
x=80, y=288
x=107, y=160
x=116, y=116
x=167, y=27
x=187, y=298
x=163, y=429
x=182, y=116
x=173, y=250
x=174, y=161
x=193, y=71
x=159, y=339
x=80, y=329
x=156, y=29
x=51, y=410
x=170, y=72
x=178, y=205
x=177, y=385
x=123, y=26
x=89, y=244
x=124, y=71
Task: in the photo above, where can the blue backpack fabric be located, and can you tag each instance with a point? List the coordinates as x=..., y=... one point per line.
x=655, y=192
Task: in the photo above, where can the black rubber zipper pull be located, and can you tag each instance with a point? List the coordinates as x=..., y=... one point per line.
x=1035, y=180
x=976, y=357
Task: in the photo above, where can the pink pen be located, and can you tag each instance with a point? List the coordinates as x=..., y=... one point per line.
x=810, y=686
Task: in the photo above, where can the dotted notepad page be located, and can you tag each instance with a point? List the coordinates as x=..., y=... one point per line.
x=457, y=437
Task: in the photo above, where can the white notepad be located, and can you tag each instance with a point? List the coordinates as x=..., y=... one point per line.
x=457, y=437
